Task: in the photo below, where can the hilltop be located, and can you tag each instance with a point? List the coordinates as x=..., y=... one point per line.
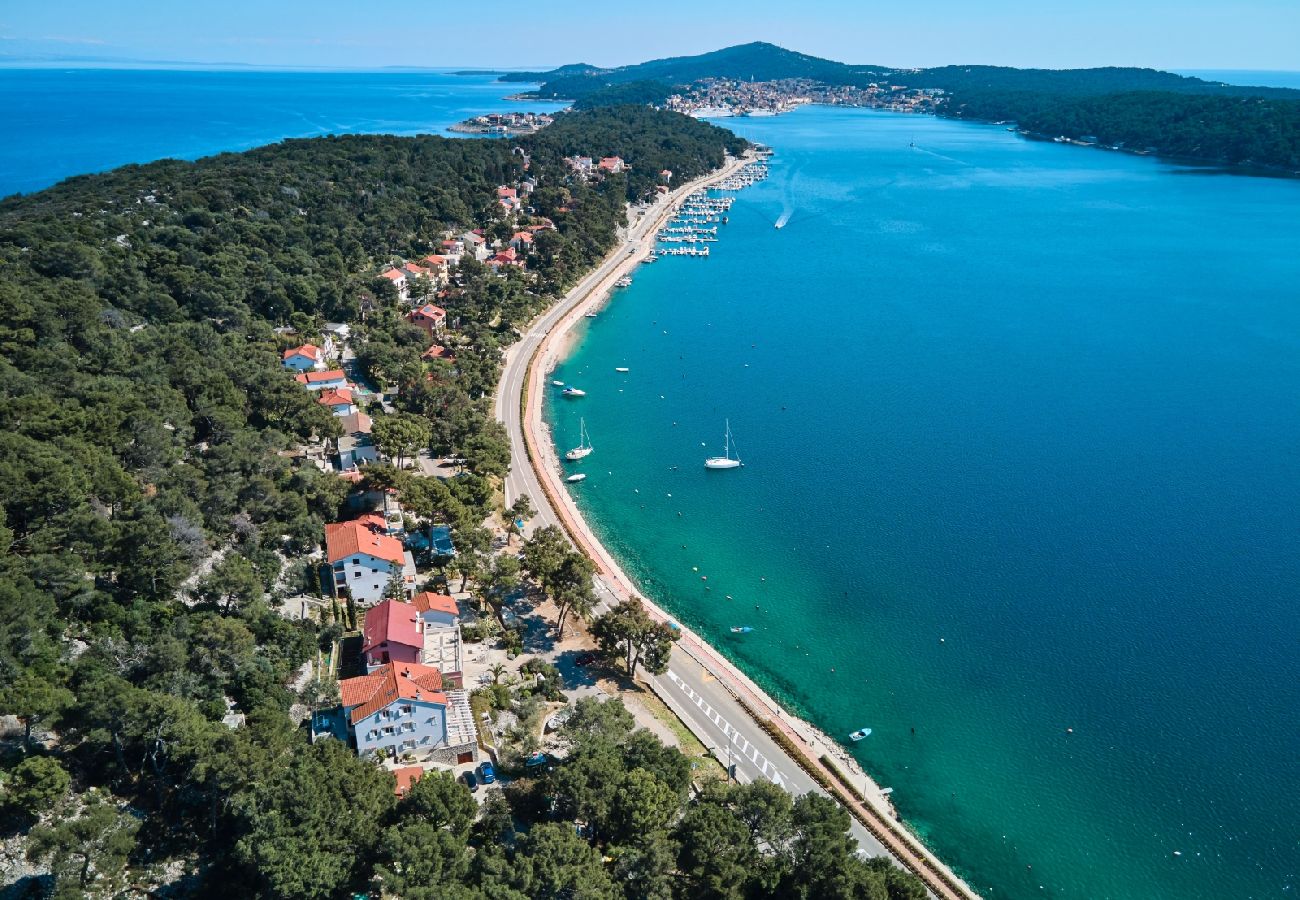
x=762, y=61
x=1134, y=108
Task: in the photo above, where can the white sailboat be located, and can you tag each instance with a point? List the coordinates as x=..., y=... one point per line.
x=724, y=461
x=584, y=447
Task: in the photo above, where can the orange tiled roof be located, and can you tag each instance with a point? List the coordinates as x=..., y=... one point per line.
x=406, y=777
x=341, y=397
x=367, y=694
x=428, y=600
x=309, y=350
x=428, y=311
x=344, y=539
x=314, y=377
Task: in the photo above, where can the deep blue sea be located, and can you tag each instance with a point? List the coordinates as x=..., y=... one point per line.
x=1021, y=432
x=62, y=122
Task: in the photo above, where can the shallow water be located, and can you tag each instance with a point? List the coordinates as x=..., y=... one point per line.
x=1021, y=425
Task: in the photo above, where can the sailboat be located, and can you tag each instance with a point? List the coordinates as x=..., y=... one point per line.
x=584, y=447
x=724, y=461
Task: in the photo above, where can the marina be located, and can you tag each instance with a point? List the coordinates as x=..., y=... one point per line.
x=827, y=549
x=696, y=223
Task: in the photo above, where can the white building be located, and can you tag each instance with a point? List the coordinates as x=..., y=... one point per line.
x=363, y=558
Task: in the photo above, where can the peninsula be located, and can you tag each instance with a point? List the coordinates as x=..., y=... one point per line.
x=267, y=617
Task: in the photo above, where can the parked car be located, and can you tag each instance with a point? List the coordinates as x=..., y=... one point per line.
x=470, y=781
x=536, y=760
x=486, y=772
x=584, y=659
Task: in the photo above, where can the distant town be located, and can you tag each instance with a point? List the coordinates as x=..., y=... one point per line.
x=512, y=124
x=714, y=97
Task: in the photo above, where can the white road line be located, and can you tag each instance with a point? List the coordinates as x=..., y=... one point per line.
x=747, y=750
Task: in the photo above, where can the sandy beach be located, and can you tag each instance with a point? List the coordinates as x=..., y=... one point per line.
x=874, y=811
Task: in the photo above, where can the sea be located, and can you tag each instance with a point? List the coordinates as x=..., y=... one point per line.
x=1021, y=432
x=64, y=122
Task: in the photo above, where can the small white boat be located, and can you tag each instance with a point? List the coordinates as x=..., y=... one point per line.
x=590, y=315
x=741, y=629
x=575, y=478
x=621, y=369
x=584, y=447
x=724, y=461
x=860, y=734
x=573, y=392
x=558, y=383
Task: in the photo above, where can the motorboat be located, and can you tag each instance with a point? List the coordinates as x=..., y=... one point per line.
x=576, y=477
x=725, y=461
x=573, y=392
x=860, y=734
x=741, y=629
x=558, y=383
x=621, y=369
x=584, y=447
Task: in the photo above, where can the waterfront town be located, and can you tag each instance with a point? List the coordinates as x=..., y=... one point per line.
x=714, y=97
x=511, y=124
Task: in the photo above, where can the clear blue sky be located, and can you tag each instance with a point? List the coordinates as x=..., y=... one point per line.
x=1169, y=34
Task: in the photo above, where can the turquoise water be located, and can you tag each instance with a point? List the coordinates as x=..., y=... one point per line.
x=62, y=122
x=1021, y=425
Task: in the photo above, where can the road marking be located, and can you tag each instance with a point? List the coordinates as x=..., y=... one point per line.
x=747, y=750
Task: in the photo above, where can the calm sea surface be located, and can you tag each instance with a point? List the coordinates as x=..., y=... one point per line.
x=1021, y=425
x=1021, y=432
x=62, y=122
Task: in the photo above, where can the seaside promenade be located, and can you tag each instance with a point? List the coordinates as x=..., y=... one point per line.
x=714, y=699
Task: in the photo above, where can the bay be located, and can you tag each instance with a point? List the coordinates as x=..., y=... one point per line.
x=1021, y=425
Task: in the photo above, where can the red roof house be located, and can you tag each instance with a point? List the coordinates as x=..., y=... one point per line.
x=429, y=317
x=406, y=777
x=393, y=632
x=438, y=608
x=362, y=536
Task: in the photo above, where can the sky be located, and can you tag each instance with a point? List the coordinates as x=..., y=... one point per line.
x=1165, y=34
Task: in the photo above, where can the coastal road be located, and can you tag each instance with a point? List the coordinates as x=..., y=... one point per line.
x=719, y=704
x=696, y=695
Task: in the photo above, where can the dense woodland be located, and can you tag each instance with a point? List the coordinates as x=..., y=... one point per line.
x=148, y=435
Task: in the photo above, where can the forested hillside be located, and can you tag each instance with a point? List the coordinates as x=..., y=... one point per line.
x=1231, y=130
x=150, y=436
x=1173, y=115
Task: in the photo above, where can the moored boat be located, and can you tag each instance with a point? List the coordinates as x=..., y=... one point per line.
x=576, y=477
x=573, y=392
x=584, y=447
x=725, y=461
x=741, y=629
x=860, y=734
x=621, y=369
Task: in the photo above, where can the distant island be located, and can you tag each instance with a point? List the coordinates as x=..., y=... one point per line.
x=1137, y=110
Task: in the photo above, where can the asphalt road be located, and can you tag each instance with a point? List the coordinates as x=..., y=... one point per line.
x=711, y=712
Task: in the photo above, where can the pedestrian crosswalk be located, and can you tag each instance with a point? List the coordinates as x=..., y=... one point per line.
x=738, y=741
